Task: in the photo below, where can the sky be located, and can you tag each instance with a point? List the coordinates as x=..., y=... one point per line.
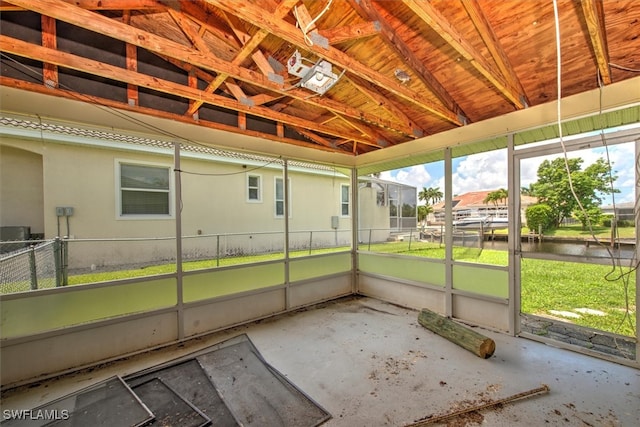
x=488, y=171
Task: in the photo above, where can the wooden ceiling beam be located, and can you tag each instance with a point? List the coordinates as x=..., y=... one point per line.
x=394, y=40
x=185, y=24
x=263, y=98
x=236, y=27
x=349, y=33
x=236, y=90
x=94, y=100
x=164, y=47
x=493, y=44
x=89, y=66
x=288, y=32
x=131, y=62
x=371, y=134
x=425, y=11
x=594, y=18
x=371, y=91
x=212, y=23
x=49, y=40
x=250, y=44
x=312, y=136
x=148, y=5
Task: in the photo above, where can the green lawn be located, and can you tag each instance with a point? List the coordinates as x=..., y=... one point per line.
x=189, y=266
x=564, y=286
x=546, y=285
x=576, y=231
x=599, y=231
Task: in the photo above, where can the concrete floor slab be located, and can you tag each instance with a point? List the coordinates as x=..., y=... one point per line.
x=370, y=363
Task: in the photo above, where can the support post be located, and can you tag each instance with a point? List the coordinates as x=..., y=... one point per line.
x=33, y=267
x=65, y=262
x=57, y=260
x=178, y=215
x=448, y=232
x=217, y=250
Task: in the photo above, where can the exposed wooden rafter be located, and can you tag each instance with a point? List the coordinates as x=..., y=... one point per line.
x=94, y=100
x=148, y=5
x=594, y=17
x=350, y=32
x=293, y=35
x=440, y=25
x=86, y=19
x=63, y=59
x=407, y=68
x=371, y=91
x=493, y=45
x=49, y=71
x=131, y=60
x=249, y=44
x=366, y=9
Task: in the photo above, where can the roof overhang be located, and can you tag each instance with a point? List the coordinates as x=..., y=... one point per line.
x=614, y=105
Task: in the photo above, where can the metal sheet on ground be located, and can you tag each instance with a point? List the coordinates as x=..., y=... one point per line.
x=252, y=390
x=110, y=403
x=256, y=393
x=188, y=379
x=168, y=407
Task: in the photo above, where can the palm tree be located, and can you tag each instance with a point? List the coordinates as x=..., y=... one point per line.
x=430, y=196
x=436, y=195
x=491, y=198
x=424, y=195
x=494, y=197
x=502, y=195
x=423, y=212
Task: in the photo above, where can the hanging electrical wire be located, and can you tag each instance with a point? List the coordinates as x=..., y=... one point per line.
x=616, y=262
x=279, y=159
x=307, y=27
x=622, y=67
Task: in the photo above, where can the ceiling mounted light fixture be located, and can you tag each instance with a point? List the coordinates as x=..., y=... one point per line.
x=318, y=77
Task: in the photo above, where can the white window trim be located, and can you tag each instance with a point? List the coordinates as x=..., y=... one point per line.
x=348, y=201
x=118, y=192
x=259, y=199
x=275, y=201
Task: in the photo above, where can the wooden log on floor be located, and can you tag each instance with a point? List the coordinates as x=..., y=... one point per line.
x=469, y=339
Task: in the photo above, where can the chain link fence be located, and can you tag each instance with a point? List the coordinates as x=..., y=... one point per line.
x=37, y=265
x=31, y=265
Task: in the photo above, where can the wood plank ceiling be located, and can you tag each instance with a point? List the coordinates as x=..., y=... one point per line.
x=406, y=68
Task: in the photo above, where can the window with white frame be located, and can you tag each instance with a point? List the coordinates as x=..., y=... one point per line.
x=143, y=190
x=254, y=188
x=344, y=200
x=279, y=197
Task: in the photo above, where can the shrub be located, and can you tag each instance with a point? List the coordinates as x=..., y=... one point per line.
x=539, y=216
x=621, y=222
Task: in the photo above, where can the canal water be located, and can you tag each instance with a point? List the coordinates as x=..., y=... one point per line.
x=565, y=248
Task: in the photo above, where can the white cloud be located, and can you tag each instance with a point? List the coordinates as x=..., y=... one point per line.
x=488, y=171
x=417, y=176
x=484, y=171
x=621, y=156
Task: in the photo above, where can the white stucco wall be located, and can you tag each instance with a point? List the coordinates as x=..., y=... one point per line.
x=21, y=188
x=214, y=201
